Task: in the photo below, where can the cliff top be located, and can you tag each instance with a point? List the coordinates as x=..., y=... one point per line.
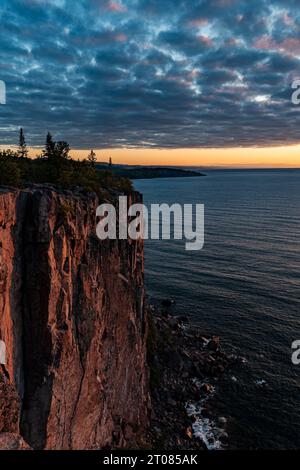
x=60, y=171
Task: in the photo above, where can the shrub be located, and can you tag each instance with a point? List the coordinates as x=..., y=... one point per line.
x=10, y=173
x=56, y=167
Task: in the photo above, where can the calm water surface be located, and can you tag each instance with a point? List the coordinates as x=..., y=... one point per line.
x=244, y=286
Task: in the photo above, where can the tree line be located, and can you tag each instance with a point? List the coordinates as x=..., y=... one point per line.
x=56, y=167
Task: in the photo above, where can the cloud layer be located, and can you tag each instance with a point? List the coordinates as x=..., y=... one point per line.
x=151, y=73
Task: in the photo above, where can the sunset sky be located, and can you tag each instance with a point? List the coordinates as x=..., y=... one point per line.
x=169, y=82
x=280, y=157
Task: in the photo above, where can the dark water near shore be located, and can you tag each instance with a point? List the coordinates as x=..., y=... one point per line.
x=244, y=286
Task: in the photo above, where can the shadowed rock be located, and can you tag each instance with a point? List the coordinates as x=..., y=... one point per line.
x=75, y=332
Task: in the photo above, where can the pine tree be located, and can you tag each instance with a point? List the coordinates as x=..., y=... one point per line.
x=61, y=150
x=92, y=158
x=49, y=151
x=23, y=151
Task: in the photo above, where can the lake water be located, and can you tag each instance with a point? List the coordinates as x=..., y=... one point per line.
x=244, y=286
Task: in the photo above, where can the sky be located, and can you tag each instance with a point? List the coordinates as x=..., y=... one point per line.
x=182, y=82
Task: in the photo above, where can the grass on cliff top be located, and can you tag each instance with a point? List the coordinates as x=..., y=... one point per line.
x=55, y=166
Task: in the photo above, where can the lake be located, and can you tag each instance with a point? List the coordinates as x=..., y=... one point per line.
x=244, y=285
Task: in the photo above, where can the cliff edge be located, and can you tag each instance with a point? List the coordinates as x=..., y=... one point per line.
x=72, y=320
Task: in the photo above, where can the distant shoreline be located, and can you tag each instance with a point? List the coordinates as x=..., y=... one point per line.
x=149, y=172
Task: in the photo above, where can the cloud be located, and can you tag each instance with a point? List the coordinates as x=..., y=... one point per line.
x=99, y=73
x=117, y=7
x=290, y=45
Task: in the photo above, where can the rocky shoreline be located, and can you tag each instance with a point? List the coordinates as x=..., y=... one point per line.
x=184, y=369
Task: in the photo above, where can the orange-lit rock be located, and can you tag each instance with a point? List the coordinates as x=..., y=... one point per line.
x=72, y=319
x=10, y=441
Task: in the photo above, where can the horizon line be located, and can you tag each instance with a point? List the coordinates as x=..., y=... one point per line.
x=282, y=157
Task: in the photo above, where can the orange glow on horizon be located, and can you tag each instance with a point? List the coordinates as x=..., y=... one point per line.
x=271, y=157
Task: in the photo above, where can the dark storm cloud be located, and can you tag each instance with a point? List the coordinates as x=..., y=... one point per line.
x=136, y=73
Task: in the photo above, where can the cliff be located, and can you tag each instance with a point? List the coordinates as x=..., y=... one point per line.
x=73, y=323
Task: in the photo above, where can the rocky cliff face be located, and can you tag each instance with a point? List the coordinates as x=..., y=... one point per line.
x=73, y=323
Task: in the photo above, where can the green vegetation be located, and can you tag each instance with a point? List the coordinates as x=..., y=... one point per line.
x=92, y=158
x=55, y=166
x=23, y=152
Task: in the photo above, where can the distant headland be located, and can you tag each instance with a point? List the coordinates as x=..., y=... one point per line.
x=147, y=172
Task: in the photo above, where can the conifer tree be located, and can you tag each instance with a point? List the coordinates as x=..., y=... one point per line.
x=92, y=158
x=23, y=151
x=49, y=151
x=61, y=150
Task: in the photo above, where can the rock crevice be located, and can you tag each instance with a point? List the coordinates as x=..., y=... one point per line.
x=74, y=331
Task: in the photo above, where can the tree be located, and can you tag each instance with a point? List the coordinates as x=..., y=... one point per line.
x=110, y=161
x=49, y=151
x=56, y=151
x=9, y=172
x=23, y=151
x=61, y=150
x=59, y=169
x=92, y=158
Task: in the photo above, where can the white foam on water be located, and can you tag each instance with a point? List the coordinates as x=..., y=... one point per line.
x=205, y=428
x=260, y=383
x=205, y=341
x=210, y=434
